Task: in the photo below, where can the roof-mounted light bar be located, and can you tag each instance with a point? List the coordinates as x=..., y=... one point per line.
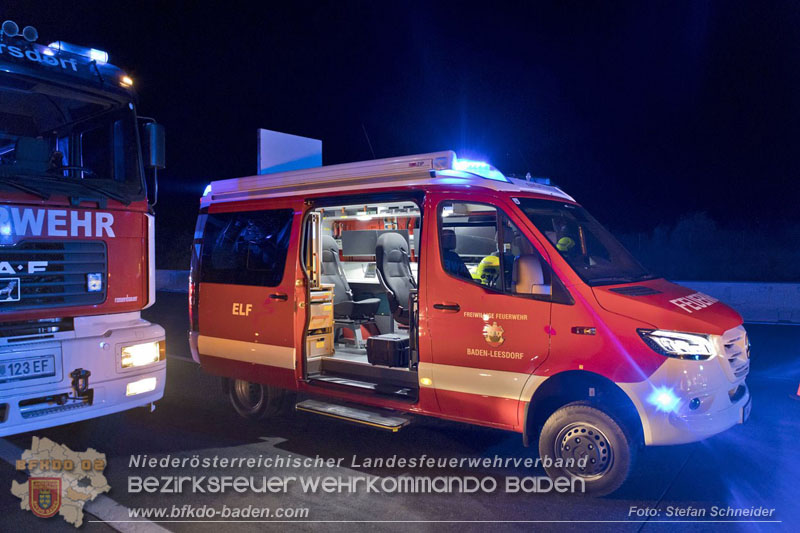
x=479, y=168
x=94, y=54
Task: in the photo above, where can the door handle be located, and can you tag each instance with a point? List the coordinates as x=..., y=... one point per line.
x=447, y=307
x=279, y=296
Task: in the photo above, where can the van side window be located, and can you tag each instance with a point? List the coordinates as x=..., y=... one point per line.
x=481, y=245
x=246, y=248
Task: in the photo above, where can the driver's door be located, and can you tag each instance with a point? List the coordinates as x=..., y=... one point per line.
x=488, y=324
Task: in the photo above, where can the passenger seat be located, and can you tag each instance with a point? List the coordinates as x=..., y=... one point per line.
x=394, y=273
x=528, y=277
x=332, y=273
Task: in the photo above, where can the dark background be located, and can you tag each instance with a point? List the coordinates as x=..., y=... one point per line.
x=675, y=123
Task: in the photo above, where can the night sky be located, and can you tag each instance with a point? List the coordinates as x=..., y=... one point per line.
x=644, y=111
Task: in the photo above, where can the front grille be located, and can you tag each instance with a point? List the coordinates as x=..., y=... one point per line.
x=737, y=351
x=63, y=280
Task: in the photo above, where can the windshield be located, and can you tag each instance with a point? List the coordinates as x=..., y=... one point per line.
x=590, y=249
x=54, y=139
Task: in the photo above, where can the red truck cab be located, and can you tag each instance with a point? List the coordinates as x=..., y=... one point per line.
x=77, y=238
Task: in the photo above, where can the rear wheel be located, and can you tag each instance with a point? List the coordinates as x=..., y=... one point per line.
x=254, y=400
x=592, y=445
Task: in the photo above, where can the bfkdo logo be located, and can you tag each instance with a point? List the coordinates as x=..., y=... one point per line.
x=44, y=494
x=61, y=481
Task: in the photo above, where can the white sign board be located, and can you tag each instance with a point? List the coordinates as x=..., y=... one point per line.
x=279, y=152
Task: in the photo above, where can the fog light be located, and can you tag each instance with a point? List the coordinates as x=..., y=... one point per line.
x=94, y=282
x=141, y=354
x=140, y=387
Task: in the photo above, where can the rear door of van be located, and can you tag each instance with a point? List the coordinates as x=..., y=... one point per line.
x=246, y=300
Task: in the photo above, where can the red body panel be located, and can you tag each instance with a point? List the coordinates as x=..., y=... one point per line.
x=127, y=249
x=669, y=309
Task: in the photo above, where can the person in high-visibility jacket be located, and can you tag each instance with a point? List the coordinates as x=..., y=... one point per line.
x=488, y=270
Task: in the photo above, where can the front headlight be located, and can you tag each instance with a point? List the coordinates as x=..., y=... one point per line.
x=142, y=354
x=677, y=344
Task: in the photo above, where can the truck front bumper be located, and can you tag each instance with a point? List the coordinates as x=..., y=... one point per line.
x=94, y=345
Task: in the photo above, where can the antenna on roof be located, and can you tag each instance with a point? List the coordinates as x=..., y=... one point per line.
x=368, y=142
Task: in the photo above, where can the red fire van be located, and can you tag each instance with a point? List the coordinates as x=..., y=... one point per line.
x=431, y=285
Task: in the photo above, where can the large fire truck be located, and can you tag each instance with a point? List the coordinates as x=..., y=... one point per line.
x=76, y=237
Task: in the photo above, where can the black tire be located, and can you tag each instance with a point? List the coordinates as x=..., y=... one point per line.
x=255, y=401
x=579, y=429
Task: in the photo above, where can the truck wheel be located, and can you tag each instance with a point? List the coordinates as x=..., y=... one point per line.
x=255, y=401
x=578, y=430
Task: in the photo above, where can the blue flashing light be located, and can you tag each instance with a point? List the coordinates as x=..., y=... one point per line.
x=98, y=55
x=664, y=399
x=480, y=168
x=94, y=54
x=207, y=190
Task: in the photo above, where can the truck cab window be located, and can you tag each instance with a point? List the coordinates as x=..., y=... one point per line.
x=47, y=133
x=96, y=151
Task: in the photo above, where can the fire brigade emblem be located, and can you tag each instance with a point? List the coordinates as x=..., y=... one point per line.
x=44, y=495
x=493, y=334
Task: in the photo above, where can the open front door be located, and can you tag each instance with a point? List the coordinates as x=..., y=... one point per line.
x=487, y=303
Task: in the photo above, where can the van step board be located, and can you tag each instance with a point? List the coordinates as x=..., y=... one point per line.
x=358, y=415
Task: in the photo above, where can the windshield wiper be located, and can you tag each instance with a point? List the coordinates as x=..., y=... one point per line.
x=24, y=188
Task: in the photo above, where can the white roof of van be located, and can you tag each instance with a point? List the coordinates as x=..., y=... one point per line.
x=413, y=170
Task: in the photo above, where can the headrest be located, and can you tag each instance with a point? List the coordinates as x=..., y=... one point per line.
x=391, y=241
x=527, y=272
x=522, y=246
x=329, y=245
x=449, y=240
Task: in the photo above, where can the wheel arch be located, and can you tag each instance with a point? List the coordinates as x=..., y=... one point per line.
x=581, y=385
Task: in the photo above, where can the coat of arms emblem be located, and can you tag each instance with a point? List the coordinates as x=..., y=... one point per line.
x=44, y=496
x=493, y=334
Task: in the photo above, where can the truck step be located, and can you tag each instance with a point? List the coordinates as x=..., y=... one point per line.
x=358, y=415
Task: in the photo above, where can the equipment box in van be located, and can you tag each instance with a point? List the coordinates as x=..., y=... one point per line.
x=520, y=311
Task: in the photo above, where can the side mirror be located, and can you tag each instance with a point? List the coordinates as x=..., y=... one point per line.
x=155, y=152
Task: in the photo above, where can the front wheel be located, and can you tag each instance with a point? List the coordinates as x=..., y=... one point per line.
x=254, y=400
x=584, y=442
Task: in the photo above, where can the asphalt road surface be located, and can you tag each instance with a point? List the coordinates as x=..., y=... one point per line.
x=753, y=465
